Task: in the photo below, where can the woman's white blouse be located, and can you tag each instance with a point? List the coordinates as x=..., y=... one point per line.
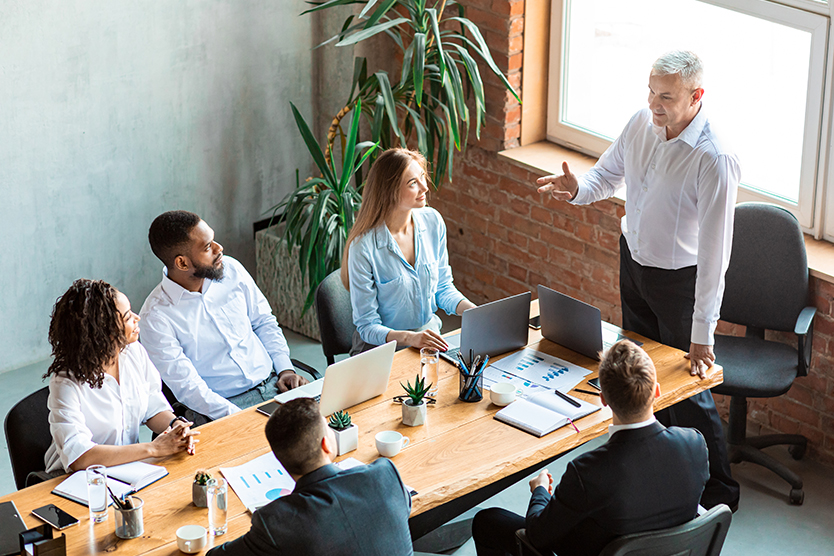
x=81, y=417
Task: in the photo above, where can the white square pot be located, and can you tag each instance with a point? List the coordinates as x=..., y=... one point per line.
x=347, y=440
x=414, y=415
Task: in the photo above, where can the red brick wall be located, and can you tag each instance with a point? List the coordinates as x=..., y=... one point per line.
x=504, y=238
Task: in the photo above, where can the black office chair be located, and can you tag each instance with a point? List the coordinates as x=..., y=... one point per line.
x=767, y=288
x=702, y=536
x=28, y=438
x=335, y=316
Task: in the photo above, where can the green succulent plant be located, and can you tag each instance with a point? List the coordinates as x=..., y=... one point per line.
x=340, y=420
x=202, y=477
x=417, y=392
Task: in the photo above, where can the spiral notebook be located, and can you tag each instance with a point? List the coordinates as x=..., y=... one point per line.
x=543, y=413
x=120, y=478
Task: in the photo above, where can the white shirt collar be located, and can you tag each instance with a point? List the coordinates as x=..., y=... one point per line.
x=616, y=428
x=690, y=133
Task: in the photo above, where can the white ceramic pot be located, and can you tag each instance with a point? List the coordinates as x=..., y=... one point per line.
x=414, y=415
x=347, y=440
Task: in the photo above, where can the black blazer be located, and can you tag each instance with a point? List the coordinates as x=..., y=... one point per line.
x=640, y=480
x=363, y=510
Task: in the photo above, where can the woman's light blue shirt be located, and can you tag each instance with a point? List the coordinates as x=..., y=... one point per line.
x=386, y=292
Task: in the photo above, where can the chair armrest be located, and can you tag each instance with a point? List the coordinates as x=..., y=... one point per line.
x=306, y=368
x=804, y=330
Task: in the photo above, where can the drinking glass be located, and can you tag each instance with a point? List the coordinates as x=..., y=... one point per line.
x=97, y=492
x=217, y=492
x=428, y=368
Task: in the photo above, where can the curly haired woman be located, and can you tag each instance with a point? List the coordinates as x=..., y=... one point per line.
x=103, y=386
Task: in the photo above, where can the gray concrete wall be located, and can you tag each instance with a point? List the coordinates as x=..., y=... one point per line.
x=113, y=112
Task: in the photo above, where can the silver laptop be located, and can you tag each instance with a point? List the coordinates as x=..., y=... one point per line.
x=576, y=325
x=348, y=382
x=491, y=329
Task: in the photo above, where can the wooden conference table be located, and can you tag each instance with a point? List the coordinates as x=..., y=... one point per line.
x=459, y=458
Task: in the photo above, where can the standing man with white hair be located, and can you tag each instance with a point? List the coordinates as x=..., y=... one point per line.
x=681, y=184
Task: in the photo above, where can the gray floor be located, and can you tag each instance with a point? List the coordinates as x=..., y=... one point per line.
x=765, y=524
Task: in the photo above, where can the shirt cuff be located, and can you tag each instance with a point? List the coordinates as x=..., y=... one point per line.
x=281, y=363
x=703, y=332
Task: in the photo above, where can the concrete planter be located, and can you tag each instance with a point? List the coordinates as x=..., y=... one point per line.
x=279, y=278
x=198, y=495
x=414, y=415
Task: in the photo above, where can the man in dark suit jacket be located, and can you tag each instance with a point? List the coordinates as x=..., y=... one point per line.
x=645, y=477
x=363, y=510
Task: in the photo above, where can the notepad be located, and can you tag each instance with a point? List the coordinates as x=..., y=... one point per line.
x=120, y=478
x=543, y=413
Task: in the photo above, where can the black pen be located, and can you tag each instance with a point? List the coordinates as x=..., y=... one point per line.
x=586, y=392
x=568, y=399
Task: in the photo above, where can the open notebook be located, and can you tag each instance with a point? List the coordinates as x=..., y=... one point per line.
x=543, y=413
x=120, y=478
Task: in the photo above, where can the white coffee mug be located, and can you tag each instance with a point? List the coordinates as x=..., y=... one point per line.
x=389, y=443
x=191, y=538
x=502, y=393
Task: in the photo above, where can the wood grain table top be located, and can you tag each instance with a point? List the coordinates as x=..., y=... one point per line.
x=460, y=449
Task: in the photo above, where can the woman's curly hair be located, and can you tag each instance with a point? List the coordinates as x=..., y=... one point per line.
x=86, y=332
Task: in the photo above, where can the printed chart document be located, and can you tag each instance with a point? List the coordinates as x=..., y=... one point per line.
x=264, y=479
x=543, y=413
x=533, y=372
x=120, y=478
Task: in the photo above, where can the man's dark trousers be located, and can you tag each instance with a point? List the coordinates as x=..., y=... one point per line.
x=658, y=304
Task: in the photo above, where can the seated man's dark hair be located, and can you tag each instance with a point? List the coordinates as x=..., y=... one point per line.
x=627, y=379
x=294, y=432
x=86, y=332
x=169, y=233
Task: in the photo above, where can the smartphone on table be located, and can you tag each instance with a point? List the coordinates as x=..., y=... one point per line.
x=55, y=516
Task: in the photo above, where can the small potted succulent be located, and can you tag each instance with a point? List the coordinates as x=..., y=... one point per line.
x=199, y=488
x=347, y=434
x=414, y=406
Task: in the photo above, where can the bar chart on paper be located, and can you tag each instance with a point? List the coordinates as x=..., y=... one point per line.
x=260, y=481
x=533, y=371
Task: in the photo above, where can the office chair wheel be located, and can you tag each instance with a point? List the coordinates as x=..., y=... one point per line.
x=797, y=452
x=796, y=497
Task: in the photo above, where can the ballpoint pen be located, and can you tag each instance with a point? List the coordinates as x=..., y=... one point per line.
x=567, y=399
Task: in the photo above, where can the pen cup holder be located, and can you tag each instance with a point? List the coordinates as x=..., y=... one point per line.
x=129, y=522
x=471, y=387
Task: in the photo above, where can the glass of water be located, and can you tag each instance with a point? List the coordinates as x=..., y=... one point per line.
x=428, y=368
x=217, y=508
x=97, y=492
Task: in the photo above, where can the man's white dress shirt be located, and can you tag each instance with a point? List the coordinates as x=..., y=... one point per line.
x=629, y=426
x=680, y=204
x=212, y=344
x=81, y=417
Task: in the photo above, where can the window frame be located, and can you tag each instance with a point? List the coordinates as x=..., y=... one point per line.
x=816, y=168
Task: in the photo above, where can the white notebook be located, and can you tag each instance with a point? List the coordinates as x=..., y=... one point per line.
x=120, y=478
x=544, y=413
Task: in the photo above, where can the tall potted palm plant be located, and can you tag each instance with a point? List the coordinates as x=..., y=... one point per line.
x=427, y=107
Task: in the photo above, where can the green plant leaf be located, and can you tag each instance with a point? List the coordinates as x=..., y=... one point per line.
x=437, y=40
x=482, y=49
x=419, y=45
x=422, y=145
x=380, y=11
x=360, y=74
x=388, y=99
x=312, y=144
x=370, y=32
x=367, y=8
x=349, y=155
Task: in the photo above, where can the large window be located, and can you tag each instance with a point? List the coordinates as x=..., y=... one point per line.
x=764, y=81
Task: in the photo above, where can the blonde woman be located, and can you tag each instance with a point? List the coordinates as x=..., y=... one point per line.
x=395, y=264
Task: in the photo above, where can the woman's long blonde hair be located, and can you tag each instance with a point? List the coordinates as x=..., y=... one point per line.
x=380, y=196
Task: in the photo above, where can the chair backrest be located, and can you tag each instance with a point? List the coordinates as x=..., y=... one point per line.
x=335, y=316
x=27, y=435
x=703, y=536
x=767, y=280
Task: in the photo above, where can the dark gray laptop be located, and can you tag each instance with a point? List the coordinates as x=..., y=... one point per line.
x=491, y=329
x=576, y=325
